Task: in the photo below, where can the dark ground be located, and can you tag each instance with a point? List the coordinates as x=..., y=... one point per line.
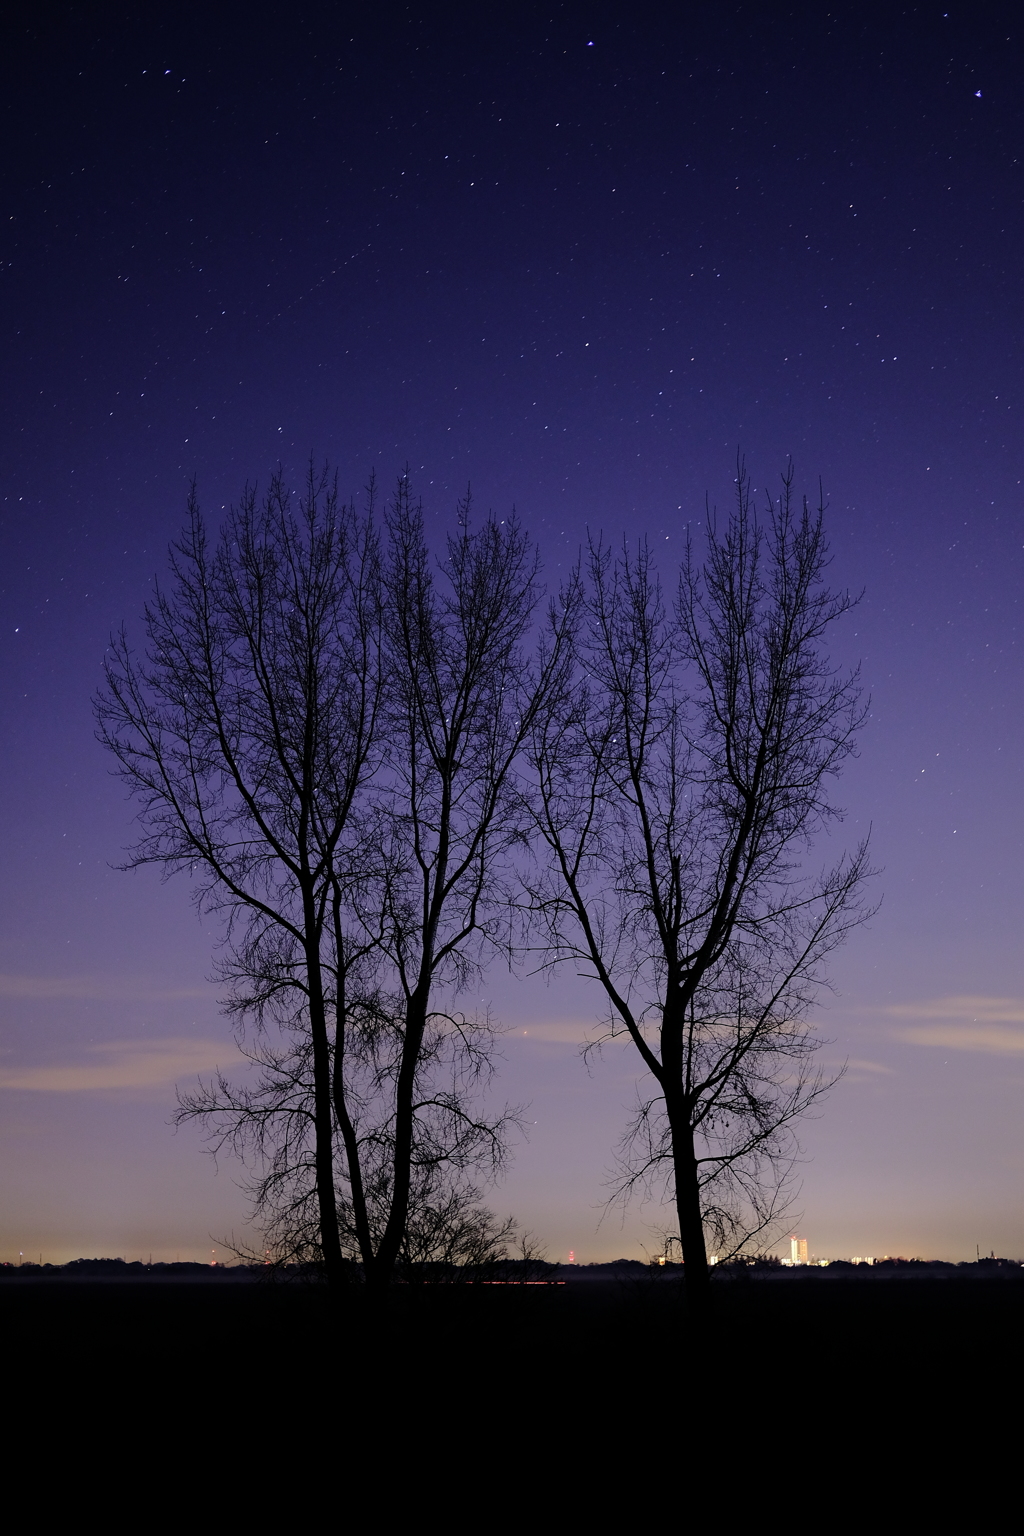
x=595, y=1395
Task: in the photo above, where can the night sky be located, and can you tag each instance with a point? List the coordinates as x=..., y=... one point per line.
x=578, y=257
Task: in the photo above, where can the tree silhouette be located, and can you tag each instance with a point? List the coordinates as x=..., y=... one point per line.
x=461, y=700
x=248, y=732
x=321, y=733
x=682, y=771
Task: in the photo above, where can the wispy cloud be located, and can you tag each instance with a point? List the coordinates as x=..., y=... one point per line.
x=859, y=1064
x=102, y=989
x=556, y=1031
x=568, y=1031
x=122, y=1064
x=969, y=1022
x=958, y=1037
x=969, y=1006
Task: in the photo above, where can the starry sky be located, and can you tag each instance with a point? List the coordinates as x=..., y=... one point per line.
x=579, y=257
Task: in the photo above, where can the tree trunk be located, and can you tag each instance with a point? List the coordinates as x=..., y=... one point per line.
x=688, y=1211
x=330, y=1238
x=355, y=1172
x=415, y=1025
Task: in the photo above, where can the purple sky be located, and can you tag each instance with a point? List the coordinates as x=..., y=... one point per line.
x=576, y=260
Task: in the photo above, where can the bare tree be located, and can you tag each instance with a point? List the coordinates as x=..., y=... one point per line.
x=462, y=698
x=681, y=779
x=324, y=738
x=248, y=733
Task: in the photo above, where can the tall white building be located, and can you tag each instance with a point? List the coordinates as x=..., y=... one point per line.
x=798, y=1250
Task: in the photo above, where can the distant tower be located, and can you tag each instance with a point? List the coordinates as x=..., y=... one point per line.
x=798, y=1250
x=572, y=1257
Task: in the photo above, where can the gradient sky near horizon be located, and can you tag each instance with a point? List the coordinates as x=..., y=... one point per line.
x=578, y=256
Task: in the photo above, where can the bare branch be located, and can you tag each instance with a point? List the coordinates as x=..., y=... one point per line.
x=682, y=772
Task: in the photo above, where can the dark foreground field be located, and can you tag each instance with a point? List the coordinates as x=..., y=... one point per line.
x=814, y=1386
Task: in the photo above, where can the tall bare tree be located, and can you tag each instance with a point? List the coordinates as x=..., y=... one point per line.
x=681, y=778
x=462, y=698
x=323, y=732
x=248, y=732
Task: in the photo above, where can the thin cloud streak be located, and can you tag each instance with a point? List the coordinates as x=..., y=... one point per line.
x=93, y=989
x=990, y=1039
x=968, y=1022
x=976, y=1009
x=579, y=1032
x=124, y=1064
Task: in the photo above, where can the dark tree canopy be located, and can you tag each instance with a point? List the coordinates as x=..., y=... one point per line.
x=247, y=733
x=681, y=778
x=351, y=746
x=321, y=733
